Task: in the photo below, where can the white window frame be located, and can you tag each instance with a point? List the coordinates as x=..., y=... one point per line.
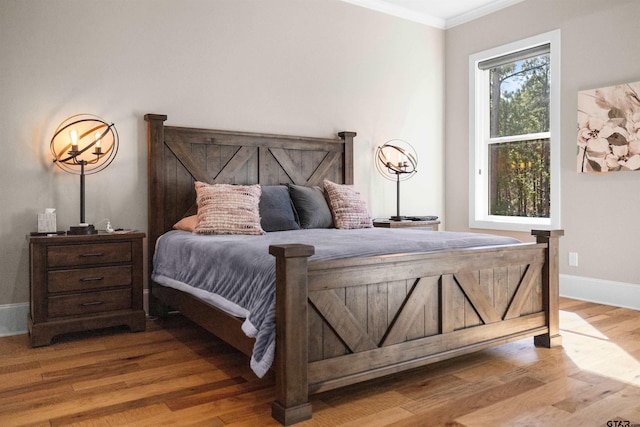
x=479, y=136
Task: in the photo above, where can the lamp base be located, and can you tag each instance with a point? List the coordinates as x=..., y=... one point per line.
x=397, y=218
x=82, y=229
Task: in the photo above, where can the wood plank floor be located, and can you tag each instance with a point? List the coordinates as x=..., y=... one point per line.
x=177, y=374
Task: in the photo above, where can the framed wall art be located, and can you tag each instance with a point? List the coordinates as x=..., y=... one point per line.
x=609, y=129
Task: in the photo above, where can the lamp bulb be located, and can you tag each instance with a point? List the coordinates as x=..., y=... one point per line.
x=74, y=139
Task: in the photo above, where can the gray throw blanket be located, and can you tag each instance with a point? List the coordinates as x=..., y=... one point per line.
x=237, y=273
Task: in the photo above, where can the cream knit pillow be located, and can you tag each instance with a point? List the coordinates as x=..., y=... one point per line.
x=349, y=210
x=228, y=209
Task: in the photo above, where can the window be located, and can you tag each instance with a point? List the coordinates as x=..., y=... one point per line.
x=515, y=135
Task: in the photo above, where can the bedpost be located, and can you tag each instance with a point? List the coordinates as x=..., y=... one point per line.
x=347, y=137
x=292, y=389
x=550, y=287
x=155, y=184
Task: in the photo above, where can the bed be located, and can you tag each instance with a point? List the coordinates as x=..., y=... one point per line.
x=351, y=319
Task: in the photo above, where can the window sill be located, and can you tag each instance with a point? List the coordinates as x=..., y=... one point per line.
x=514, y=224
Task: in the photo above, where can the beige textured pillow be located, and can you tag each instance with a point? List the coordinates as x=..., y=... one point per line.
x=228, y=209
x=349, y=210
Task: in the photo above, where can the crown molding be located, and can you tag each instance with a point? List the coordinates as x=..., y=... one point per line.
x=390, y=8
x=400, y=12
x=479, y=12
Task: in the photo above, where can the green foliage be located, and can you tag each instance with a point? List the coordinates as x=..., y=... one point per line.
x=520, y=97
x=520, y=179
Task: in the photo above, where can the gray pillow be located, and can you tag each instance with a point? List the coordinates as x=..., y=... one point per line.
x=311, y=206
x=276, y=210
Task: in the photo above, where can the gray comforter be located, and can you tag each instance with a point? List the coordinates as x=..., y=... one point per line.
x=237, y=274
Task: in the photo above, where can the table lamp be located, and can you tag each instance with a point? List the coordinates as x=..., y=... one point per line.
x=82, y=145
x=396, y=160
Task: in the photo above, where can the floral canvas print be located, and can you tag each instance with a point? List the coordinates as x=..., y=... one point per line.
x=609, y=128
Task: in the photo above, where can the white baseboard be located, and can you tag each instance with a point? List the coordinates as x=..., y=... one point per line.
x=13, y=319
x=618, y=294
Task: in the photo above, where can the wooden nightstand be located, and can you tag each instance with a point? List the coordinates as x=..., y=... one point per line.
x=84, y=282
x=385, y=223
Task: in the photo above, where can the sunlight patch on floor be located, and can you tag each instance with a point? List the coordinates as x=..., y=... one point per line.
x=592, y=351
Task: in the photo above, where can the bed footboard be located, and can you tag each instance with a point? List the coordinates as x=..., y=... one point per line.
x=345, y=321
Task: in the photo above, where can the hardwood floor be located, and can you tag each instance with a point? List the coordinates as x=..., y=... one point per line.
x=177, y=374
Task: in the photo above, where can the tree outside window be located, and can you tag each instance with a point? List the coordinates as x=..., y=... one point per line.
x=519, y=108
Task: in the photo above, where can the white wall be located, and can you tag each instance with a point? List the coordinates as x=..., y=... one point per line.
x=599, y=48
x=307, y=67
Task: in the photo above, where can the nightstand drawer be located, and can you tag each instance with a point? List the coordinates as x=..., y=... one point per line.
x=89, y=254
x=89, y=302
x=89, y=278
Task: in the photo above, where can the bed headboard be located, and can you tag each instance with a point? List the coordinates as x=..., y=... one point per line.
x=179, y=156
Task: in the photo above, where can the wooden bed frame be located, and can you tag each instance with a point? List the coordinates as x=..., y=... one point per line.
x=349, y=320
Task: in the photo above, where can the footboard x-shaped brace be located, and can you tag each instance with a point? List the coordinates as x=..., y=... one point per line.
x=355, y=337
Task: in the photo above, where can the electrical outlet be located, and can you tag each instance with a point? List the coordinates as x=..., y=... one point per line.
x=573, y=259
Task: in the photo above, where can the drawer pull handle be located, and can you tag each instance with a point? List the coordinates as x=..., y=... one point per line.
x=92, y=254
x=92, y=279
x=86, y=304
